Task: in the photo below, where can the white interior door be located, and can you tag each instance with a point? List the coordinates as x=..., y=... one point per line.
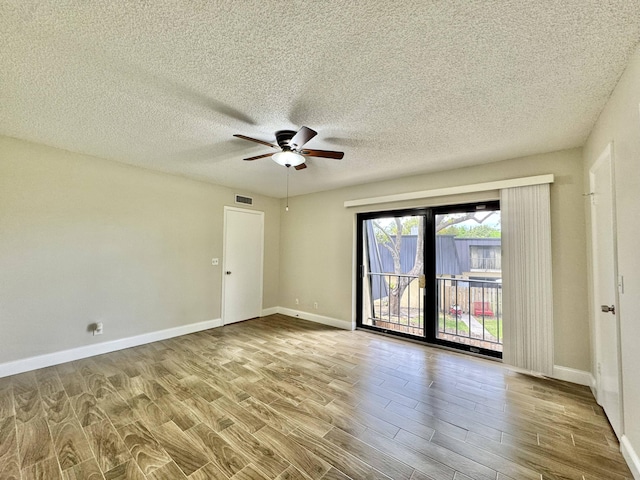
x=605, y=290
x=242, y=264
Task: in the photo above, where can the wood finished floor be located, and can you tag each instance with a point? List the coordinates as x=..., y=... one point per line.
x=287, y=399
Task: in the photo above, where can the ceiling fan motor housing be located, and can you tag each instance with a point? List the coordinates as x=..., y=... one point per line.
x=283, y=137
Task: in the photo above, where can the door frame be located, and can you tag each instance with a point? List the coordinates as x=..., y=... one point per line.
x=442, y=210
x=228, y=209
x=429, y=254
x=360, y=218
x=605, y=156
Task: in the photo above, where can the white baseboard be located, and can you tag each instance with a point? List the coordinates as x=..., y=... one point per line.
x=56, y=358
x=594, y=387
x=572, y=375
x=312, y=317
x=630, y=456
x=269, y=311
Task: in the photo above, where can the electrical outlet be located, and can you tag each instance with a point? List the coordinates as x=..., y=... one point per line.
x=297, y=302
x=214, y=261
x=315, y=305
x=98, y=328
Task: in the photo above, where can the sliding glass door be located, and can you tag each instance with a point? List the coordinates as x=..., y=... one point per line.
x=468, y=275
x=433, y=274
x=392, y=283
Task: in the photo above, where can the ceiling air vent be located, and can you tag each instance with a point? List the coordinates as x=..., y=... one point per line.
x=244, y=200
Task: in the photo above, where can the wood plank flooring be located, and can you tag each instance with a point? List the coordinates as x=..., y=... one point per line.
x=280, y=398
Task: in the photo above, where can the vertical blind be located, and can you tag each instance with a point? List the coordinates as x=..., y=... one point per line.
x=526, y=271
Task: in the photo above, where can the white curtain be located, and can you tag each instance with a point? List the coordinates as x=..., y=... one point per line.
x=527, y=294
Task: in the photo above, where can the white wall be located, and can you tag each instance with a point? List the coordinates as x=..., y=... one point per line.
x=619, y=122
x=317, y=237
x=85, y=240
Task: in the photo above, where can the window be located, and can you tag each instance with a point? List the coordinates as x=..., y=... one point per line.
x=485, y=257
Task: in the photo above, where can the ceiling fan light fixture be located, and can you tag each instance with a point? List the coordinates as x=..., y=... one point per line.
x=288, y=158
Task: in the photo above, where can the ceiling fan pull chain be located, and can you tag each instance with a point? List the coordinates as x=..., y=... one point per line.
x=287, y=207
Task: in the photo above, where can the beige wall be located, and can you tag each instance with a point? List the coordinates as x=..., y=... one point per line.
x=620, y=122
x=85, y=240
x=317, y=236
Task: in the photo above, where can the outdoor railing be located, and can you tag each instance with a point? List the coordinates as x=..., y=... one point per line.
x=470, y=310
x=395, y=305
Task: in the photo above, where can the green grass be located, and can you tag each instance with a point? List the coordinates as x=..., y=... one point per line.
x=491, y=326
x=450, y=325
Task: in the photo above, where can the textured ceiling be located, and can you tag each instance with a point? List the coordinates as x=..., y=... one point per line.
x=401, y=87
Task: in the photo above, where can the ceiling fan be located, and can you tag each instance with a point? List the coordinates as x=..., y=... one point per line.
x=289, y=144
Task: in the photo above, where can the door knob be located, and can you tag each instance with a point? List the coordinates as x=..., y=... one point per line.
x=607, y=308
x=228, y=272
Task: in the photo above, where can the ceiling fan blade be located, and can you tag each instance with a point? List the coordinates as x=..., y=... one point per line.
x=244, y=137
x=259, y=156
x=303, y=136
x=323, y=154
x=302, y=166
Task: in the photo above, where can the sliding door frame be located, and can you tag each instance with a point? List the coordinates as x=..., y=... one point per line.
x=428, y=305
x=432, y=281
x=429, y=254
